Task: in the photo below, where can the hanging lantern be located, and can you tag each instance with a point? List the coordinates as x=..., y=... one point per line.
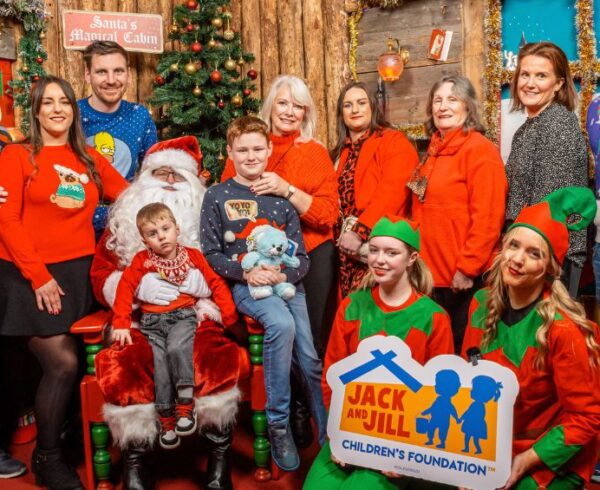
x=391, y=64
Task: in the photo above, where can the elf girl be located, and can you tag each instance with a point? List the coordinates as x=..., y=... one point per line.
x=525, y=320
x=392, y=300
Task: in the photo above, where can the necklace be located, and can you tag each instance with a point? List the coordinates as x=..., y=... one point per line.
x=173, y=270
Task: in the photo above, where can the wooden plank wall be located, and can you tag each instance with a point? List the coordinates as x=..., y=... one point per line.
x=411, y=24
x=306, y=38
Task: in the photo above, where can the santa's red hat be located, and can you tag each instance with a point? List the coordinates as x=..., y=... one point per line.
x=178, y=153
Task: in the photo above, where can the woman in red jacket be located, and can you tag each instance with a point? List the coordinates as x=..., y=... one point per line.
x=459, y=195
x=373, y=165
x=525, y=320
x=46, y=248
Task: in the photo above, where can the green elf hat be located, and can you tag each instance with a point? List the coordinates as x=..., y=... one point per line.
x=400, y=228
x=553, y=217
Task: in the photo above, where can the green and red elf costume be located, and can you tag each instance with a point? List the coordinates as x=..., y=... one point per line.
x=419, y=321
x=557, y=412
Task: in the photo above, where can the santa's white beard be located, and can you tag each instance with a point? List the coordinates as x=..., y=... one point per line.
x=184, y=201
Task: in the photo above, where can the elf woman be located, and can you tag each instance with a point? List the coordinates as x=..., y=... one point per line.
x=525, y=320
x=395, y=294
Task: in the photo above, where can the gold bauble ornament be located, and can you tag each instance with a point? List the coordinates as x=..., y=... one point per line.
x=42, y=35
x=212, y=43
x=174, y=67
x=174, y=28
x=25, y=69
x=241, y=61
x=217, y=22
x=237, y=100
x=229, y=35
x=221, y=157
x=197, y=91
x=230, y=64
x=190, y=68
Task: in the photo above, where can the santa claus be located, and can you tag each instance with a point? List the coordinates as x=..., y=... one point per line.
x=169, y=174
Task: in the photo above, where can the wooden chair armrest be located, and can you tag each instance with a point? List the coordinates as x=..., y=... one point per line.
x=254, y=328
x=91, y=326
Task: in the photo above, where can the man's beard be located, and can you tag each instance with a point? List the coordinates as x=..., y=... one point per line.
x=181, y=197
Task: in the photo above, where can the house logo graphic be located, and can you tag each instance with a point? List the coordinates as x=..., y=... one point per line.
x=448, y=421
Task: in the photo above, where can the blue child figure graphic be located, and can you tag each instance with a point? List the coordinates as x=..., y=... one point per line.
x=473, y=421
x=447, y=384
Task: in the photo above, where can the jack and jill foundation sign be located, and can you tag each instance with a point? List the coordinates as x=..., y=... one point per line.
x=449, y=421
x=135, y=32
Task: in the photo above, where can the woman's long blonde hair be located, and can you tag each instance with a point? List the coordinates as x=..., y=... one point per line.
x=558, y=300
x=419, y=275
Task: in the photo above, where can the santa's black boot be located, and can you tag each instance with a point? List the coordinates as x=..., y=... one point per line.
x=136, y=469
x=218, y=473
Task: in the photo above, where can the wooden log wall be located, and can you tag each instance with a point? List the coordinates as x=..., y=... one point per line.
x=306, y=38
x=412, y=24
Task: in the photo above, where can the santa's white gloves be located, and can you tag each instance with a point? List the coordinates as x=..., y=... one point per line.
x=156, y=291
x=195, y=285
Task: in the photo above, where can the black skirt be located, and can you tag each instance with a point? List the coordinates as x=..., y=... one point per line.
x=19, y=314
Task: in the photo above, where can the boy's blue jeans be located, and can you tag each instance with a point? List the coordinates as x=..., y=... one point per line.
x=287, y=343
x=171, y=336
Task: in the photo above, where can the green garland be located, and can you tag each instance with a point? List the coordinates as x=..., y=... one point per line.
x=31, y=52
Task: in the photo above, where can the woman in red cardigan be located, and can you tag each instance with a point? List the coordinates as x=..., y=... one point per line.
x=300, y=170
x=459, y=194
x=46, y=248
x=373, y=165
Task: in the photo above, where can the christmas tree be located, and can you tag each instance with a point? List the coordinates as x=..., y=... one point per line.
x=200, y=88
x=31, y=51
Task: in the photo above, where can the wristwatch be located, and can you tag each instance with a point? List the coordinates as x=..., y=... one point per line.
x=291, y=190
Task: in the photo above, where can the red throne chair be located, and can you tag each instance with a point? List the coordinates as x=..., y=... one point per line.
x=96, y=434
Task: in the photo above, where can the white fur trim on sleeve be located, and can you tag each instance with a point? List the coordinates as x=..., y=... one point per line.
x=109, y=290
x=207, y=309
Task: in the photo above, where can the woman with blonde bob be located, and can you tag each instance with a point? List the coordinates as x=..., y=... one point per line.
x=301, y=171
x=525, y=320
x=395, y=289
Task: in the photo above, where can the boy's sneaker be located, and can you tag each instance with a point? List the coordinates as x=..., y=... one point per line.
x=283, y=449
x=10, y=467
x=186, y=418
x=596, y=476
x=168, y=438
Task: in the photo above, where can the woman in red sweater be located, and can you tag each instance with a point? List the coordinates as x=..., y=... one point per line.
x=459, y=194
x=46, y=248
x=300, y=170
x=373, y=165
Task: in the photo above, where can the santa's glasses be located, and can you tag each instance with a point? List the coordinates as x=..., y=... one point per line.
x=163, y=174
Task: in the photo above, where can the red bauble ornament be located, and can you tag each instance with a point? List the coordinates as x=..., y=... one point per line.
x=36, y=78
x=159, y=80
x=189, y=28
x=220, y=104
x=252, y=74
x=192, y=4
x=247, y=92
x=196, y=47
x=216, y=76
x=39, y=59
